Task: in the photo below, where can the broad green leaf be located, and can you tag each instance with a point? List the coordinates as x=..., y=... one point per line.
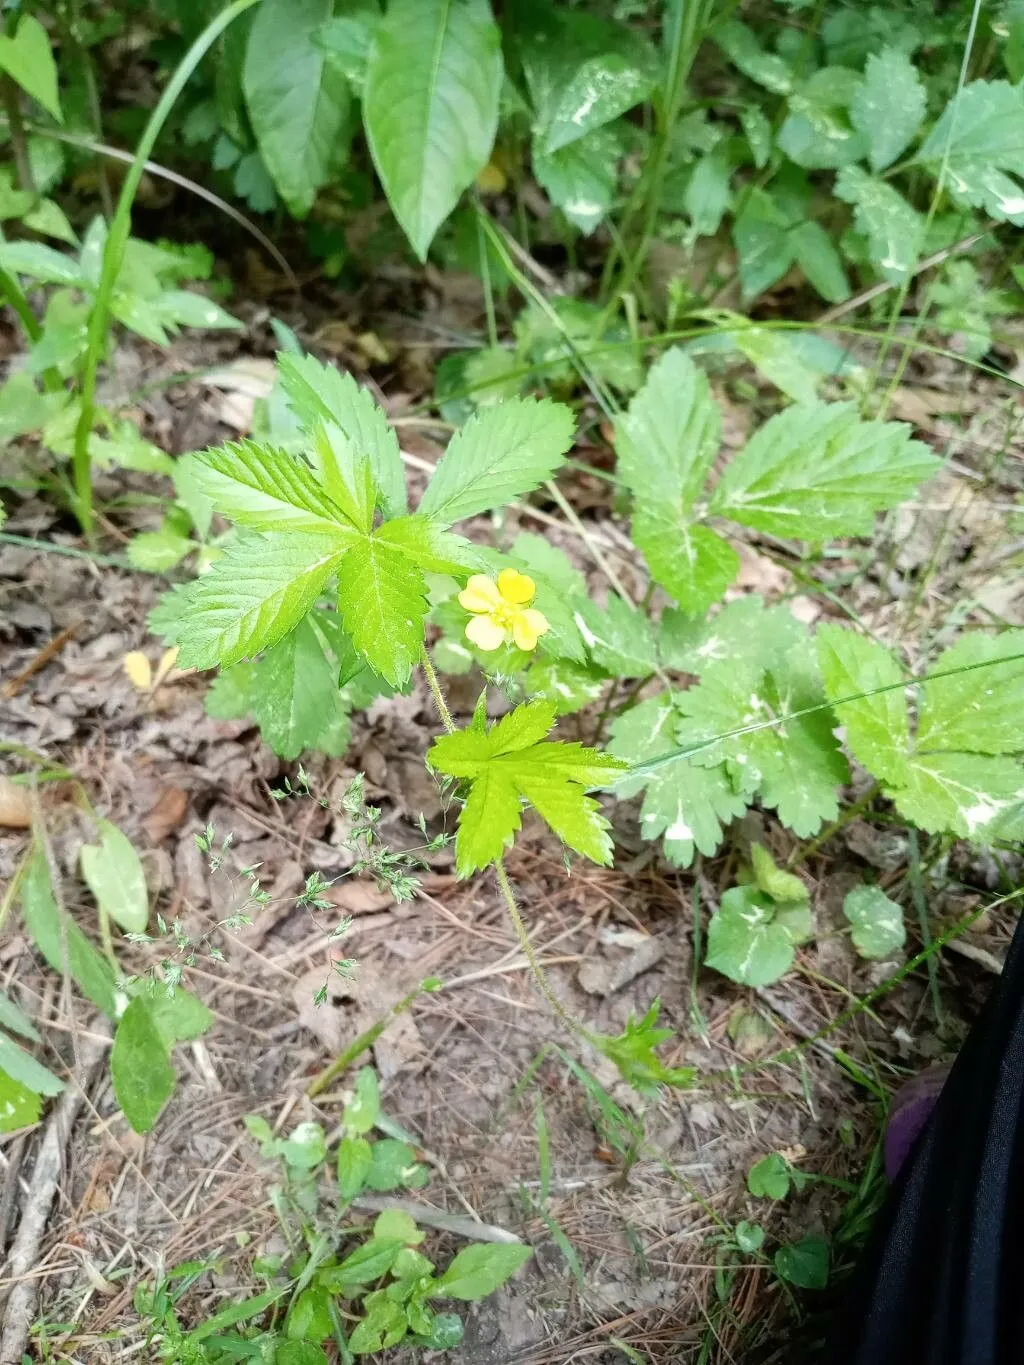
x=393, y=1166
x=580, y=178
x=309, y=1318
x=758, y=132
x=12, y=1017
x=817, y=471
x=878, y=727
x=618, y=637
x=22, y=1067
x=777, y=359
x=362, y=1111
x=817, y=132
x=354, y=1158
x=382, y=598
x=143, y=1077
x=430, y=107
x=61, y=942
x=294, y=695
x=20, y=1107
x=158, y=551
x=740, y=45
x=980, y=710
x=319, y=393
x=501, y=453
x=28, y=60
x=750, y=940
x=769, y=1178
x=253, y=596
x=346, y=475
x=582, y=71
x=299, y=1353
x=785, y=888
x=480, y=1269
x=183, y=308
x=555, y=336
x=749, y=1236
x=298, y=103
x=115, y=876
x=764, y=246
x=178, y=1016
x=270, y=490
x=894, y=230
x=50, y=219
x=878, y=928
x=745, y=634
x=978, y=140
x=23, y=408
x=570, y=685
x=804, y=1263
x=889, y=106
x=396, y=1224
x=347, y=38
x=819, y=260
x=513, y=760
x=40, y=263
x=708, y=192
x=970, y=795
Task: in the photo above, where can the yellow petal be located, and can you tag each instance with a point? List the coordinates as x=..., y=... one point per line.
x=485, y=633
x=480, y=594
x=515, y=587
x=167, y=661
x=137, y=666
x=528, y=627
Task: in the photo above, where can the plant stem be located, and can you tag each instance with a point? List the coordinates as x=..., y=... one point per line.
x=10, y=95
x=365, y=1040
x=435, y=688
x=924, y=925
x=15, y=296
x=543, y=985
x=113, y=253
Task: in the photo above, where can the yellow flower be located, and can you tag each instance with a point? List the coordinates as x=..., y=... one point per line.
x=502, y=611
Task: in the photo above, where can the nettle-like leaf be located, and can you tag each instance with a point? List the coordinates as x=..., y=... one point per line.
x=511, y=762
x=269, y=490
x=580, y=179
x=894, y=230
x=979, y=140
x=298, y=102
x=618, y=638
x=817, y=133
x=957, y=775
x=889, y=106
x=430, y=106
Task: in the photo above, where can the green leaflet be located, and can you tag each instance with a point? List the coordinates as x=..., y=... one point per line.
x=513, y=760
x=580, y=178
x=978, y=140
x=298, y=102
x=894, y=230
x=618, y=638
x=156, y=1019
x=889, y=106
x=480, y=1269
x=115, y=876
x=430, y=123
x=61, y=941
x=877, y=922
x=20, y=1106
x=751, y=939
x=740, y=45
x=979, y=710
x=877, y=727
x=501, y=453
x=967, y=794
x=270, y=490
x=28, y=60
x=817, y=471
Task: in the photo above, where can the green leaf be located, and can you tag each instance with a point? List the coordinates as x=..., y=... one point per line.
x=40, y=263
x=23, y=408
x=804, y=1263
x=319, y=393
x=253, y=596
x=20, y=1107
x=27, y=58
x=978, y=141
x=363, y=1109
x=769, y=1178
x=750, y=940
x=889, y=106
x=61, y=942
x=820, y=261
x=178, y=1016
x=299, y=1353
x=12, y=1017
x=665, y=446
x=115, y=876
x=393, y=1166
x=776, y=357
x=978, y=710
x=708, y=192
x=633, y=1053
x=50, y=219
x=817, y=471
x=22, y=1067
x=501, y=453
x=877, y=728
x=354, y=1159
x=740, y=45
x=298, y=103
x=580, y=178
x=894, y=230
x=143, y=1077
x=878, y=928
x=397, y=1225
x=582, y=71
x=430, y=107
x=512, y=761
x=816, y=132
x=758, y=132
x=158, y=551
x=764, y=246
x=749, y=1236
x=618, y=637
x=785, y=888
x=446, y=1333
x=686, y=804
x=570, y=685
x=970, y=795
x=746, y=634
x=480, y=1269
x=270, y=490
x=346, y=39
x=294, y=695
x=309, y=1318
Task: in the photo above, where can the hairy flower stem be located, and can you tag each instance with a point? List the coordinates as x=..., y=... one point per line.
x=435, y=687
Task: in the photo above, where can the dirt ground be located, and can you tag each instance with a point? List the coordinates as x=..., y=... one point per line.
x=461, y=1070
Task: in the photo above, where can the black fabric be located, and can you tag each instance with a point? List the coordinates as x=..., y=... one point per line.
x=942, y=1279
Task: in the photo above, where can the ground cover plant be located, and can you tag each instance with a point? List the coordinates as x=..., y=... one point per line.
x=478, y=525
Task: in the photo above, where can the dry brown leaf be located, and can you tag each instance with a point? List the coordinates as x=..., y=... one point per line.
x=166, y=814
x=15, y=809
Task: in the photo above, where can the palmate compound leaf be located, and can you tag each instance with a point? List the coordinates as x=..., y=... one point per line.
x=500, y=453
x=979, y=139
x=514, y=761
x=430, y=106
x=877, y=728
x=817, y=471
x=665, y=446
x=685, y=804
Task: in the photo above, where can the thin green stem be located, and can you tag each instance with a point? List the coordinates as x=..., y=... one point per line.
x=366, y=1039
x=435, y=687
x=15, y=296
x=923, y=922
x=539, y=976
x=485, y=275
x=113, y=254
